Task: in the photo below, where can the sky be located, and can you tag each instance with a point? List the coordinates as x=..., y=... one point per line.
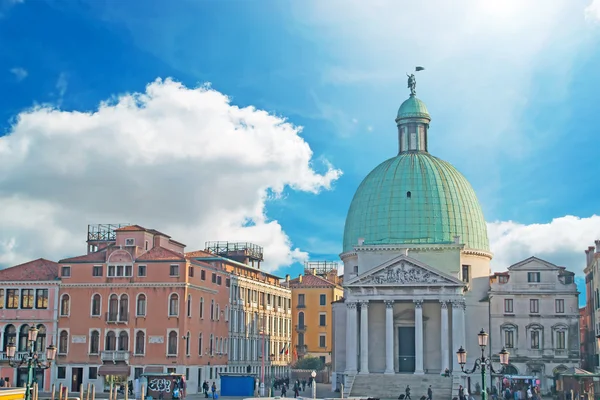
x=257, y=120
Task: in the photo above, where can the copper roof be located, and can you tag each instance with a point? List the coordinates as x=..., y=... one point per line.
x=36, y=270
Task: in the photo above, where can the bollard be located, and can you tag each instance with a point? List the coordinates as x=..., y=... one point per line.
x=93, y=392
x=342, y=390
x=53, y=391
x=143, y=392
x=87, y=396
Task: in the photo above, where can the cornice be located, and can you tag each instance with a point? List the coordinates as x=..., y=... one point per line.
x=262, y=284
x=413, y=248
x=138, y=285
x=30, y=283
x=480, y=253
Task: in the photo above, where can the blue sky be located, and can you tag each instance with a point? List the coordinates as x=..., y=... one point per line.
x=511, y=87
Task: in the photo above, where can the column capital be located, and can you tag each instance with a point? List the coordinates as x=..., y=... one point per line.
x=364, y=304
x=351, y=305
x=418, y=303
x=459, y=304
x=444, y=304
x=389, y=304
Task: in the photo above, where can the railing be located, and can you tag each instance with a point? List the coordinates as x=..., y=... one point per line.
x=115, y=355
x=300, y=328
x=301, y=305
x=112, y=317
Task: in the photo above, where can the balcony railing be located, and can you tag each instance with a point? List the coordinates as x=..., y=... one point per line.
x=301, y=305
x=115, y=355
x=300, y=328
x=21, y=355
x=116, y=318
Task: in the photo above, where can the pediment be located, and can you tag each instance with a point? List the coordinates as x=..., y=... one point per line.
x=404, y=271
x=533, y=264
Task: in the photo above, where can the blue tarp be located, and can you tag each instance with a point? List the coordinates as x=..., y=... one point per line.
x=237, y=385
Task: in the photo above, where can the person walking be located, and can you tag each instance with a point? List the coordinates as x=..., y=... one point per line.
x=283, y=390
x=407, y=393
x=214, y=389
x=429, y=393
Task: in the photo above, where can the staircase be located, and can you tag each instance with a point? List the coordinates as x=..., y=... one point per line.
x=391, y=386
x=348, y=386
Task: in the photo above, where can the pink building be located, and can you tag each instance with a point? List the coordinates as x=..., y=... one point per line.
x=28, y=296
x=135, y=304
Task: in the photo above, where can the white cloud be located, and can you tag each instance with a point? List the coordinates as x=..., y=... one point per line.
x=184, y=161
x=592, y=11
x=19, y=73
x=561, y=241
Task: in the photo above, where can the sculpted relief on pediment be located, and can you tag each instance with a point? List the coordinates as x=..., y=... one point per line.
x=404, y=272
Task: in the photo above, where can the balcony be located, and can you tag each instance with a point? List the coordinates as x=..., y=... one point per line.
x=301, y=305
x=21, y=355
x=300, y=328
x=115, y=356
x=301, y=349
x=116, y=318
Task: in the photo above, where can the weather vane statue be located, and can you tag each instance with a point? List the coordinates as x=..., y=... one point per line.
x=412, y=81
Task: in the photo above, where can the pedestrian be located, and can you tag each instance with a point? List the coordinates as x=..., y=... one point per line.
x=429, y=393
x=407, y=393
x=214, y=390
x=461, y=393
x=205, y=389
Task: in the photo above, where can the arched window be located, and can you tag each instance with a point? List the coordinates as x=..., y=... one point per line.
x=212, y=310
x=509, y=335
x=173, y=305
x=65, y=305
x=211, y=347
x=201, y=307
x=510, y=370
x=226, y=313
x=63, y=342
x=23, y=336
x=140, y=342
x=123, y=308
x=200, y=348
x=123, y=341
x=40, y=342
x=301, y=319
x=172, y=345
x=10, y=334
x=141, y=305
x=113, y=307
x=218, y=312
x=111, y=341
x=189, y=305
x=94, y=342
x=535, y=334
x=560, y=336
x=96, y=301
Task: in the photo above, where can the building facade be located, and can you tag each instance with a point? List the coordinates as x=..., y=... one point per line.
x=592, y=305
x=28, y=297
x=260, y=310
x=312, y=320
x=416, y=264
x=534, y=314
x=147, y=309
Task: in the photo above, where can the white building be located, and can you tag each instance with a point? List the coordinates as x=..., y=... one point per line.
x=592, y=284
x=416, y=272
x=534, y=314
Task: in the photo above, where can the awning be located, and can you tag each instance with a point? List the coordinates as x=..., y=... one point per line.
x=115, y=370
x=153, y=369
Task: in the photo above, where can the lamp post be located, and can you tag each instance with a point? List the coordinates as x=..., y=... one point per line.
x=31, y=359
x=314, y=384
x=483, y=362
x=271, y=359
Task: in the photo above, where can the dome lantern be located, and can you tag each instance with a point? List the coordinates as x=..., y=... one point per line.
x=412, y=121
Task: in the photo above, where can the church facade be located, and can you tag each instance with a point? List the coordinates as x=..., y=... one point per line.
x=416, y=268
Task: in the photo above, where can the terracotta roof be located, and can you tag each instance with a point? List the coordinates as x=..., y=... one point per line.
x=36, y=270
x=198, y=253
x=311, y=281
x=131, y=228
x=159, y=254
x=98, y=256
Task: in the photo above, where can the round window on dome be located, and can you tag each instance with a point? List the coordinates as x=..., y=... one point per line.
x=408, y=195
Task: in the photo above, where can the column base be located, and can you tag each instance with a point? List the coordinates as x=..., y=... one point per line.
x=419, y=372
x=350, y=372
x=364, y=372
x=389, y=372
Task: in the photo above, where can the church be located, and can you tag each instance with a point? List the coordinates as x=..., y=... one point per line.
x=416, y=272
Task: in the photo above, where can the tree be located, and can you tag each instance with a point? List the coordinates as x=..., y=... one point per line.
x=313, y=363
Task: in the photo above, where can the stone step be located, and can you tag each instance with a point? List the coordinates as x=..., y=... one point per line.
x=391, y=386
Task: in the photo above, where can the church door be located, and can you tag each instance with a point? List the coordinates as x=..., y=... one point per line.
x=406, y=349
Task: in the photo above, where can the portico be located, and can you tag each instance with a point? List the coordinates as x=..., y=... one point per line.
x=404, y=302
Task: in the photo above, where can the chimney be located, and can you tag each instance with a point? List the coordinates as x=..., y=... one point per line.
x=591, y=254
x=456, y=239
x=314, y=271
x=406, y=252
x=587, y=257
x=597, y=242
x=300, y=278
x=287, y=277
x=361, y=241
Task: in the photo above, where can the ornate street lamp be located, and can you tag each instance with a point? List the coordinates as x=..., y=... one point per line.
x=32, y=358
x=271, y=359
x=314, y=384
x=483, y=362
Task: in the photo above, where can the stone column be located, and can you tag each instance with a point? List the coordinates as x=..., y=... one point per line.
x=351, y=342
x=364, y=337
x=457, y=337
x=389, y=337
x=445, y=334
x=419, y=337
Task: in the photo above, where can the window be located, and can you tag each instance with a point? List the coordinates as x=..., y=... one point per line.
x=212, y=310
x=140, y=309
x=535, y=339
x=174, y=270
x=322, y=299
x=187, y=344
x=113, y=307
x=301, y=339
x=322, y=319
x=65, y=305
x=503, y=279
x=300, y=300
x=96, y=301
x=93, y=373
x=203, y=275
x=200, y=352
x=569, y=279
x=141, y=270
x=211, y=347
x=27, y=298
x=533, y=277
x=301, y=319
x=94, y=342
x=172, y=344
x=227, y=282
x=97, y=270
x=40, y=343
x=123, y=308
x=173, y=305
x=219, y=281
x=559, y=305
x=201, y=307
x=129, y=242
x=146, y=245
x=138, y=371
x=123, y=341
x=111, y=270
x=61, y=372
x=560, y=340
x=12, y=298
x=214, y=278
x=189, y=306
x=534, y=306
x=140, y=341
x=191, y=271
x=41, y=299
x=111, y=341
x=322, y=341
x=508, y=306
x=466, y=273
x=63, y=342
x=509, y=338
x=1, y=299
x=65, y=271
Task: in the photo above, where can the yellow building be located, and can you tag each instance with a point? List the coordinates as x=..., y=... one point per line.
x=312, y=295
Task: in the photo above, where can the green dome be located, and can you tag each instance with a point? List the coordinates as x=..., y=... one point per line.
x=415, y=198
x=413, y=108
